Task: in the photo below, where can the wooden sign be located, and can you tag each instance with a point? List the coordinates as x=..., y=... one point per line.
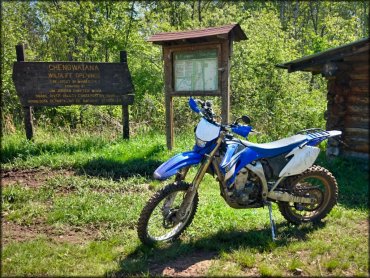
x=67, y=83
x=197, y=63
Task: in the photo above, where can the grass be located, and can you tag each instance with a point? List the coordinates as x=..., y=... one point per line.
x=95, y=201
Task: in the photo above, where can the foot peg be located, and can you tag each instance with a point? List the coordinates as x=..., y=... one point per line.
x=272, y=222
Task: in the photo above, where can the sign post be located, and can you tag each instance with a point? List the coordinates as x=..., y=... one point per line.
x=197, y=63
x=70, y=83
x=125, y=112
x=27, y=110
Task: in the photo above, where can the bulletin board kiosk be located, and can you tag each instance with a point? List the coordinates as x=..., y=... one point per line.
x=197, y=63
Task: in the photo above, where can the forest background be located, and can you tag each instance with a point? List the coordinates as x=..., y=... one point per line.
x=278, y=31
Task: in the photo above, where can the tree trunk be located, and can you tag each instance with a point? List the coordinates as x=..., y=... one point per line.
x=199, y=11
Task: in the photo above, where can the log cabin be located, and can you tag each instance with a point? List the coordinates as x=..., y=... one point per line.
x=346, y=69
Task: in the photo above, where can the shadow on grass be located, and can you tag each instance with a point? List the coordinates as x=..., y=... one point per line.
x=180, y=256
x=12, y=151
x=144, y=165
x=115, y=170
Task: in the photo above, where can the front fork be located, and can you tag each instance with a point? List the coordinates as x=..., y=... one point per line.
x=192, y=190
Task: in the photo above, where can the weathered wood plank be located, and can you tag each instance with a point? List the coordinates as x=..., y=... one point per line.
x=361, y=67
x=358, y=109
x=363, y=57
x=359, y=86
x=357, y=90
x=169, y=122
x=28, y=122
x=359, y=75
x=225, y=81
x=358, y=146
x=359, y=83
x=358, y=99
x=27, y=110
x=67, y=83
x=361, y=132
x=125, y=122
x=359, y=155
x=168, y=87
x=356, y=121
x=356, y=138
x=196, y=93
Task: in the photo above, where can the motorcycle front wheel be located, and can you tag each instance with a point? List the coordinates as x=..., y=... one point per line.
x=316, y=182
x=158, y=221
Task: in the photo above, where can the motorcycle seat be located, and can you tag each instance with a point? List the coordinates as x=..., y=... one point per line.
x=276, y=147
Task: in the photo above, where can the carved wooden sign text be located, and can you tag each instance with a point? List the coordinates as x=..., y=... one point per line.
x=67, y=83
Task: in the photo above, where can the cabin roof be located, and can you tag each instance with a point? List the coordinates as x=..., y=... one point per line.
x=315, y=62
x=220, y=32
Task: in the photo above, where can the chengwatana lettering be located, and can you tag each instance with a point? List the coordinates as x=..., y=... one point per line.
x=73, y=67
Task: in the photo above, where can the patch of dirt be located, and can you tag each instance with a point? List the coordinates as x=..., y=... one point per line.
x=31, y=177
x=363, y=226
x=192, y=265
x=15, y=232
x=251, y=272
x=134, y=189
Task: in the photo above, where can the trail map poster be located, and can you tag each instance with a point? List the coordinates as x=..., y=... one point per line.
x=196, y=71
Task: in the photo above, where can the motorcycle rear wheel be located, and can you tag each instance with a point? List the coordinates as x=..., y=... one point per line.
x=157, y=222
x=316, y=182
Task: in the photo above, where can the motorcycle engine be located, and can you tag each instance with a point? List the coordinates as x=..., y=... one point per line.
x=247, y=188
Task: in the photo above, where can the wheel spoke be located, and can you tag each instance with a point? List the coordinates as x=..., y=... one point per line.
x=316, y=183
x=158, y=221
x=166, y=213
x=312, y=187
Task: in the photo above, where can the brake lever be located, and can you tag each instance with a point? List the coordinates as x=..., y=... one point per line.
x=201, y=102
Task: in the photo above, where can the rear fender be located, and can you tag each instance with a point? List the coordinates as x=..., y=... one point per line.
x=174, y=164
x=302, y=159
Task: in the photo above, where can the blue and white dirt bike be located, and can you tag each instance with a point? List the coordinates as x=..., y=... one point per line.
x=250, y=176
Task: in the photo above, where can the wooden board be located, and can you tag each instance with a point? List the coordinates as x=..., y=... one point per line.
x=358, y=99
x=359, y=57
x=358, y=146
x=360, y=110
x=361, y=67
x=68, y=83
x=359, y=155
x=356, y=121
x=359, y=76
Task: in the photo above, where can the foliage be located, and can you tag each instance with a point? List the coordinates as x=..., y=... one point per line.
x=271, y=96
x=278, y=31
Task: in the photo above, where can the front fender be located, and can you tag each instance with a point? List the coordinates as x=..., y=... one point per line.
x=171, y=166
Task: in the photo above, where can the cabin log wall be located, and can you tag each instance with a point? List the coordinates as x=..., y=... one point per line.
x=348, y=107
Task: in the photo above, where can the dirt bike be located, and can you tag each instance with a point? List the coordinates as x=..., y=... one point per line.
x=250, y=175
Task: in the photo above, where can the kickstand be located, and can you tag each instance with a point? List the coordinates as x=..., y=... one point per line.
x=272, y=222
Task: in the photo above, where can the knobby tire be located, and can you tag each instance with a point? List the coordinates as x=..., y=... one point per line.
x=142, y=226
x=331, y=186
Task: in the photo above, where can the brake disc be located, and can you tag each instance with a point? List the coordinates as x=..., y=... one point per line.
x=313, y=193
x=169, y=221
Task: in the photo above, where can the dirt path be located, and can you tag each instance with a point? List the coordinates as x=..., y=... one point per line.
x=191, y=265
x=31, y=177
x=13, y=232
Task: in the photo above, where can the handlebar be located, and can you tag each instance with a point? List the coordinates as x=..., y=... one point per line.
x=204, y=108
